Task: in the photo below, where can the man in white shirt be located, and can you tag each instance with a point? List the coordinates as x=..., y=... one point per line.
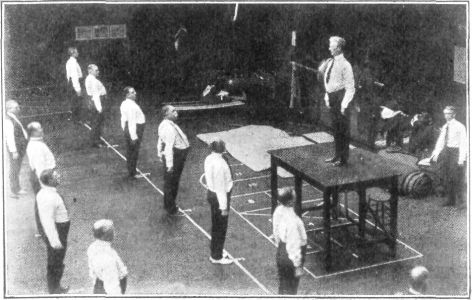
x=74, y=91
x=132, y=123
x=290, y=235
x=96, y=92
x=107, y=270
x=450, y=152
x=55, y=223
x=40, y=158
x=340, y=90
x=172, y=149
x=16, y=139
x=219, y=183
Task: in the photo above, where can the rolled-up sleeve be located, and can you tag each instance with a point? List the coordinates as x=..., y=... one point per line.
x=349, y=85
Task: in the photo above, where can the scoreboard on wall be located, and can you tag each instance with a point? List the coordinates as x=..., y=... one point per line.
x=100, y=32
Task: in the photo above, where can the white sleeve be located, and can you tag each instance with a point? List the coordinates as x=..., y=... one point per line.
x=168, y=136
x=440, y=143
x=10, y=136
x=71, y=68
x=462, y=145
x=111, y=278
x=132, y=124
x=220, y=179
x=46, y=215
x=123, y=116
x=294, y=245
x=349, y=85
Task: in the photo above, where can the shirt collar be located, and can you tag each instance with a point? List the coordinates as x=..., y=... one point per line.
x=103, y=243
x=73, y=58
x=413, y=291
x=49, y=188
x=339, y=56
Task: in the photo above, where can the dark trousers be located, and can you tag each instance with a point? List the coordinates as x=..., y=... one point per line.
x=172, y=179
x=452, y=174
x=340, y=125
x=219, y=225
x=132, y=149
x=97, y=126
x=394, y=133
x=98, y=288
x=15, y=166
x=288, y=282
x=55, y=267
x=75, y=102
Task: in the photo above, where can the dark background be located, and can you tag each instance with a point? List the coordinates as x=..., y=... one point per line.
x=410, y=48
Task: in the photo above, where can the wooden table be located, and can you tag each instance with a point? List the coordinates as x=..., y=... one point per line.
x=364, y=169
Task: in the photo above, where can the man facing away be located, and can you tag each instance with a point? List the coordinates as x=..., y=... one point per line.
x=132, y=123
x=219, y=183
x=74, y=91
x=96, y=92
x=107, y=270
x=172, y=150
x=340, y=89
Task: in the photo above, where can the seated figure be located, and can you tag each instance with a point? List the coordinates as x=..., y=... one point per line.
x=422, y=136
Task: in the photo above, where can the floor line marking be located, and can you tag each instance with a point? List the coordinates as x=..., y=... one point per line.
x=255, y=214
x=269, y=207
x=249, y=194
x=261, y=286
x=264, y=235
x=250, y=178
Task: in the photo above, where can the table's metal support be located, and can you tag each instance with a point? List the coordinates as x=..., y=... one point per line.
x=362, y=210
x=327, y=227
x=273, y=182
x=298, y=195
x=393, y=214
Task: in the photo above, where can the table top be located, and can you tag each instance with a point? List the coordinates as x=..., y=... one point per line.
x=363, y=166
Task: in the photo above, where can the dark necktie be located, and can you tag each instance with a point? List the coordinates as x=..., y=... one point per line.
x=329, y=70
x=446, y=135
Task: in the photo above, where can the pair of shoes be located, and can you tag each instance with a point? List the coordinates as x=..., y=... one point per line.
x=339, y=163
x=221, y=261
x=61, y=290
x=332, y=159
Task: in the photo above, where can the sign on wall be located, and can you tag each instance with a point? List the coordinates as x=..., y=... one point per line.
x=100, y=32
x=460, y=64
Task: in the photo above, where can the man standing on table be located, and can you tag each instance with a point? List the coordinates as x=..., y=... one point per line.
x=172, y=149
x=74, y=91
x=55, y=223
x=16, y=139
x=340, y=89
x=220, y=183
x=132, y=123
x=450, y=152
x=96, y=92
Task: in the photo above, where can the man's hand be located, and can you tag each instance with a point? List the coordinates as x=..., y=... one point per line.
x=326, y=99
x=434, y=158
x=15, y=155
x=343, y=111
x=79, y=93
x=133, y=142
x=224, y=212
x=461, y=164
x=170, y=169
x=299, y=271
x=57, y=246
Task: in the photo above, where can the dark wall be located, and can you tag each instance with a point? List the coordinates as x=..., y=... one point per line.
x=410, y=47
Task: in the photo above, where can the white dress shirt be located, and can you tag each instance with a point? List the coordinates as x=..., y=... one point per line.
x=170, y=136
x=289, y=229
x=131, y=113
x=95, y=89
x=218, y=178
x=10, y=132
x=105, y=264
x=39, y=155
x=51, y=210
x=341, y=77
x=456, y=138
x=74, y=73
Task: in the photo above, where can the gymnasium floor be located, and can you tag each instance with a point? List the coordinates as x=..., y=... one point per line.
x=169, y=256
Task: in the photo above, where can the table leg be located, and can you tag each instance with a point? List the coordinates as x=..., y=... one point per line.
x=273, y=182
x=362, y=211
x=327, y=227
x=334, y=204
x=298, y=195
x=393, y=214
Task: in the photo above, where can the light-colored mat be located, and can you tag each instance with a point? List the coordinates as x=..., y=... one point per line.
x=249, y=144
